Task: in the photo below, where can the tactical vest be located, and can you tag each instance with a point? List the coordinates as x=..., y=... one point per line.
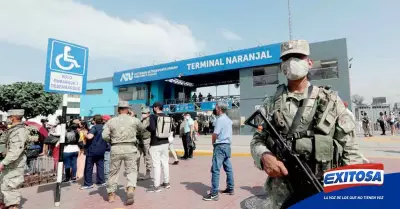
x=311, y=133
x=30, y=149
x=145, y=134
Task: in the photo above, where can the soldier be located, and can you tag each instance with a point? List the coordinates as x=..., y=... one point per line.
x=13, y=165
x=121, y=132
x=366, y=125
x=305, y=124
x=144, y=144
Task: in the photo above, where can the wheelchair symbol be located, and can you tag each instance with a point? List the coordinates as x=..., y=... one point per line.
x=67, y=58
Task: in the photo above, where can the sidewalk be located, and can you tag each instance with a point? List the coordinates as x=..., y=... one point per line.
x=376, y=147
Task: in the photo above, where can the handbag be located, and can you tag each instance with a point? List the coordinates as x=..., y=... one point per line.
x=51, y=140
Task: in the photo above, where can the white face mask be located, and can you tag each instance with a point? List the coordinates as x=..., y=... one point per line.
x=295, y=68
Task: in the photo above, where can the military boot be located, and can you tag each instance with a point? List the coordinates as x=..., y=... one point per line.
x=111, y=197
x=130, y=193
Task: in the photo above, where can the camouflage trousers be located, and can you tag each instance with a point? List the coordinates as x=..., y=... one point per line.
x=367, y=129
x=116, y=160
x=11, y=178
x=145, y=154
x=277, y=192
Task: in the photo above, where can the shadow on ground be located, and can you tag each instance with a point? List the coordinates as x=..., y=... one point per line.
x=257, y=190
x=390, y=151
x=198, y=187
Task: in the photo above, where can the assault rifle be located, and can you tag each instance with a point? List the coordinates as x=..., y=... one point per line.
x=302, y=181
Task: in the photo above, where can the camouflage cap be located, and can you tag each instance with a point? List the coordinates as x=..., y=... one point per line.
x=145, y=110
x=295, y=47
x=123, y=104
x=16, y=112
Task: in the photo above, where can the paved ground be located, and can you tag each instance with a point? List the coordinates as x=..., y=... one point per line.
x=191, y=179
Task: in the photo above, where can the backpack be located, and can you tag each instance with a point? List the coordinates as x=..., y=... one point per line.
x=71, y=137
x=32, y=148
x=164, y=127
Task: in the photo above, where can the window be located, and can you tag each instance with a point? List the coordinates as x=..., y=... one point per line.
x=132, y=93
x=265, y=75
x=73, y=105
x=94, y=91
x=324, y=69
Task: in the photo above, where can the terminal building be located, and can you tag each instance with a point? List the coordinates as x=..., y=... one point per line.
x=255, y=70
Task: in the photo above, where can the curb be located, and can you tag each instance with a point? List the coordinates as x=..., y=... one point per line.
x=210, y=153
x=180, y=152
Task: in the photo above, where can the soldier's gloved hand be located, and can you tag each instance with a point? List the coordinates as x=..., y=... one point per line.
x=272, y=166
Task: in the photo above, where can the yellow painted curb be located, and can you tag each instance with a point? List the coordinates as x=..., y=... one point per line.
x=210, y=153
x=180, y=152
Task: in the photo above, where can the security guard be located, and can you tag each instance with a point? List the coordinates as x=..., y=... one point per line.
x=144, y=144
x=310, y=115
x=121, y=132
x=13, y=165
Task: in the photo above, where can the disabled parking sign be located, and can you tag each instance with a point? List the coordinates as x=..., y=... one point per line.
x=66, y=67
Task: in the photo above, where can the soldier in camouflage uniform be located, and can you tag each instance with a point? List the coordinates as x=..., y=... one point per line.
x=144, y=144
x=13, y=165
x=121, y=133
x=321, y=119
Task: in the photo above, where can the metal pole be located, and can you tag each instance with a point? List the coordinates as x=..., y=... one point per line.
x=290, y=21
x=60, y=164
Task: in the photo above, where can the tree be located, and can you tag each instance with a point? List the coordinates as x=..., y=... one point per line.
x=29, y=96
x=357, y=100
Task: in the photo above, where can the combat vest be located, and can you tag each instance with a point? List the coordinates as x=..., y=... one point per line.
x=145, y=134
x=32, y=149
x=311, y=133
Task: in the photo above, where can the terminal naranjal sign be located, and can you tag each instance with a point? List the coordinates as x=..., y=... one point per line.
x=257, y=56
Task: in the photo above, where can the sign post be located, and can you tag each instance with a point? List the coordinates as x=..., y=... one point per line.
x=66, y=73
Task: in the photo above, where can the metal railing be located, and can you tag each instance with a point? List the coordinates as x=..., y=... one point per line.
x=235, y=99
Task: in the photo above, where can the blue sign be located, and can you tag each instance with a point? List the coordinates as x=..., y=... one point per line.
x=66, y=67
x=209, y=106
x=179, y=108
x=257, y=56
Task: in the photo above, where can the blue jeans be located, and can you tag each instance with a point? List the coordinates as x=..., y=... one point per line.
x=221, y=157
x=70, y=159
x=106, y=165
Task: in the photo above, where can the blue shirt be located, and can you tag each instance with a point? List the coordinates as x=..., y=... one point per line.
x=189, y=122
x=223, y=130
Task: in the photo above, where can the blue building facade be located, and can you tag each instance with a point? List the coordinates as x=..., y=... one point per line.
x=256, y=70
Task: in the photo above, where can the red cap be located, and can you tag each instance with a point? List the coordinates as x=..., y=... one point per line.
x=106, y=117
x=345, y=104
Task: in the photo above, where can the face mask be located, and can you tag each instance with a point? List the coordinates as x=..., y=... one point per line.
x=295, y=68
x=8, y=121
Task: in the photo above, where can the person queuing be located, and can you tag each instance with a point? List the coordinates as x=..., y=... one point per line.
x=121, y=133
x=96, y=148
x=70, y=154
x=221, y=140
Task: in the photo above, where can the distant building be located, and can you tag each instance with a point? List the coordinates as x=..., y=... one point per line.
x=378, y=100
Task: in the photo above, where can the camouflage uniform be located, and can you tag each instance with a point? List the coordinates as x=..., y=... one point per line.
x=144, y=145
x=121, y=132
x=366, y=125
x=340, y=134
x=12, y=177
